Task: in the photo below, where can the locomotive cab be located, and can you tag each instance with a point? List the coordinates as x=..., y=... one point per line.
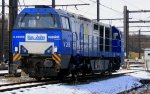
x=39, y=37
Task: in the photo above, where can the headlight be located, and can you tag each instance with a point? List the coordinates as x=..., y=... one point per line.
x=16, y=49
x=23, y=50
x=49, y=50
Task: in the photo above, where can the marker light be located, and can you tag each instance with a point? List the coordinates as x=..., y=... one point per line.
x=55, y=49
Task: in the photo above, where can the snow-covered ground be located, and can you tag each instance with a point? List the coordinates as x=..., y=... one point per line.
x=109, y=86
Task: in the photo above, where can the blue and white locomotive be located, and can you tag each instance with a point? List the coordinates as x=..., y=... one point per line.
x=48, y=42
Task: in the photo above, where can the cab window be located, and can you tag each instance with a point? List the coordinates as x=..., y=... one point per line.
x=65, y=23
x=116, y=36
x=34, y=21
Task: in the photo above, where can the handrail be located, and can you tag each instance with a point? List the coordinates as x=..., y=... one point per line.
x=89, y=43
x=74, y=41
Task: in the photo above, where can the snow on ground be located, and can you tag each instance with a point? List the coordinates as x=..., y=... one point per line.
x=141, y=75
x=3, y=81
x=109, y=86
x=6, y=71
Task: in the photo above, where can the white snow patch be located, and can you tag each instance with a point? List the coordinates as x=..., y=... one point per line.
x=3, y=82
x=6, y=71
x=3, y=71
x=141, y=75
x=109, y=86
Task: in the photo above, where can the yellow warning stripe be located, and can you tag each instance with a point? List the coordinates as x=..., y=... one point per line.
x=56, y=58
x=16, y=57
x=19, y=57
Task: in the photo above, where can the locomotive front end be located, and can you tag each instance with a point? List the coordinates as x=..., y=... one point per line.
x=36, y=42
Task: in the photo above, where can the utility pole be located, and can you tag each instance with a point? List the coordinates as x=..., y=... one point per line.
x=2, y=32
x=53, y=4
x=13, y=12
x=126, y=28
x=139, y=39
x=98, y=6
x=126, y=31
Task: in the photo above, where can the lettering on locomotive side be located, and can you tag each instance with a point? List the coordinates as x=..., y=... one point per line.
x=67, y=44
x=36, y=37
x=54, y=37
x=19, y=37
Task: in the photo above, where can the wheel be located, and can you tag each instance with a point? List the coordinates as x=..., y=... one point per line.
x=37, y=68
x=62, y=76
x=38, y=78
x=17, y=74
x=109, y=73
x=74, y=75
x=102, y=74
x=84, y=70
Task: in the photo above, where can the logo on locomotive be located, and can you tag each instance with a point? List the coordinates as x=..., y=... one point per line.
x=36, y=37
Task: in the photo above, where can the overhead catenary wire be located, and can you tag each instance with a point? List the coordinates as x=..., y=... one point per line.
x=139, y=10
x=86, y=12
x=112, y=9
x=82, y=1
x=50, y=5
x=107, y=7
x=19, y=5
x=24, y=2
x=132, y=5
x=75, y=5
x=120, y=13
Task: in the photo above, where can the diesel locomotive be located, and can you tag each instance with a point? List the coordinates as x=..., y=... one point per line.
x=48, y=42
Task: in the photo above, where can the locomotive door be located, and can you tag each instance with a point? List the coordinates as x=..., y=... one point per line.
x=66, y=36
x=116, y=42
x=74, y=34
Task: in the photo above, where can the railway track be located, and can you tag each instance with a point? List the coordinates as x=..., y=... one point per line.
x=98, y=77
x=87, y=79
x=15, y=86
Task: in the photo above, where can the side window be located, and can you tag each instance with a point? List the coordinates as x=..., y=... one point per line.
x=115, y=36
x=65, y=23
x=107, y=32
x=95, y=26
x=101, y=31
x=32, y=23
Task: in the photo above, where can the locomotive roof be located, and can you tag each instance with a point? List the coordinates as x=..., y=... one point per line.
x=51, y=10
x=60, y=12
x=42, y=11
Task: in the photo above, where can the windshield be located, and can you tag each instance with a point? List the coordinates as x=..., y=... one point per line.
x=27, y=21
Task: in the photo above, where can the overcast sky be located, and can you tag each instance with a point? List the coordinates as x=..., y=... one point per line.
x=90, y=11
